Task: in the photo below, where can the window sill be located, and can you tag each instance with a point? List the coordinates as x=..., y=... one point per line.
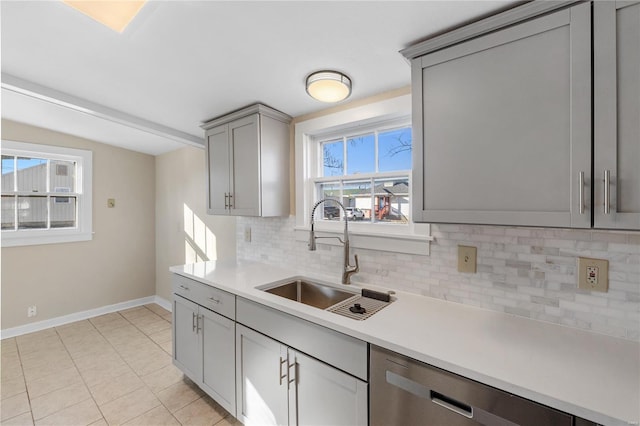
x=390, y=242
x=52, y=238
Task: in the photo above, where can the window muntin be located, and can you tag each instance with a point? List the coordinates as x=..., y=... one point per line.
x=373, y=170
x=45, y=194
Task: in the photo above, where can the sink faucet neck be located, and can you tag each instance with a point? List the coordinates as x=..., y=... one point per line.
x=347, y=269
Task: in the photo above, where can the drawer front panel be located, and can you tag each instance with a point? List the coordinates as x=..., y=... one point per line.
x=339, y=350
x=211, y=298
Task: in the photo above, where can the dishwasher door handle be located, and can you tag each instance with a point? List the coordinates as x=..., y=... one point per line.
x=422, y=391
x=451, y=404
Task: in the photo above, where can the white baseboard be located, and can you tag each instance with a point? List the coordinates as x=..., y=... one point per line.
x=164, y=303
x=78, y=316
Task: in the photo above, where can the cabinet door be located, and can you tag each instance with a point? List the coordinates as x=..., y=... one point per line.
x=324, y=395
x=617, y=115
x=187, y=351
x=245, y=166
x=262, y=380
x=502, y=125
x=218, y=170
x=218, y=352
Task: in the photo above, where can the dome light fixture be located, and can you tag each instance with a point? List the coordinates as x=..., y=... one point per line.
x=328, y=86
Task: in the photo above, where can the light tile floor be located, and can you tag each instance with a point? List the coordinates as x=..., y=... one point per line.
x=109, y=370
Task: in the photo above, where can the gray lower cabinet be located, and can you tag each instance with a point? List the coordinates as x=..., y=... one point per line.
x=278, y=385
x=218, y=358
x=261, y=389
x=505, y=125
x=204, y=340
x=293, y=372
x=616, y=38
x=247, y=154
x=187, y=352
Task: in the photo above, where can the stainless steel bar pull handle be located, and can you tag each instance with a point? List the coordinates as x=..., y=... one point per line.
x=607, y=192
x=184, y=287
x=282, y=376
x=292, y=377
x=193, y=321
x=226, y=202
x=198, y=319
x=213, y=299
x=581, y=192
x=451, y=404
x=230, y=201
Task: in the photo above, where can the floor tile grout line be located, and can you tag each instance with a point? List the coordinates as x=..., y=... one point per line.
x=140, y=377
x=144, y=384
x=142, y=331
x=86, y=385
x=24, y=380
x=121, y=358
x=82, y=378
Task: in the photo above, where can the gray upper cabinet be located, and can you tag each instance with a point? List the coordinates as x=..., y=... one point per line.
x=617, y=115
x=505, y=125
x=247, y=154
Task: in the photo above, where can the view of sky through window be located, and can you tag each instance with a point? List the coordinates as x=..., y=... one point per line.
x=394, y=153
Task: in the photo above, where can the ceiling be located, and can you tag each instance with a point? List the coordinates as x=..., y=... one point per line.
x=180, y=63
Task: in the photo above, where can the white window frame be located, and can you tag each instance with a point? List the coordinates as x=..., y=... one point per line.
x=412, y=238
x=83, y=231
x=375, y=129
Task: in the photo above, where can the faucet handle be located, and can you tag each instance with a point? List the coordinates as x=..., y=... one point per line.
x=357, y=266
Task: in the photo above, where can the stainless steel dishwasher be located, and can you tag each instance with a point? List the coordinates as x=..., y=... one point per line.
x=407, y=392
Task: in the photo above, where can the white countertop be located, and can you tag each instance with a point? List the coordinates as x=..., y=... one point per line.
x=593, y=376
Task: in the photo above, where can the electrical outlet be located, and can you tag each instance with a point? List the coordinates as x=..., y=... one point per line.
x=593, y=274
x=247, y=234
x=467, y=259
x=111, y=203
x=32, y=311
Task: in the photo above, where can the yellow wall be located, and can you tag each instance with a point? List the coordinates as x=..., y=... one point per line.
x=116, y=266
x=184, y=232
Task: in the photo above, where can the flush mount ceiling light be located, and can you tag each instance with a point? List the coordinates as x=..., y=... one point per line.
x=328, y=86
x=114, y=14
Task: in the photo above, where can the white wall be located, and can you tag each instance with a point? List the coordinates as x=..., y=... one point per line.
x=184, y=231
x=116, y=266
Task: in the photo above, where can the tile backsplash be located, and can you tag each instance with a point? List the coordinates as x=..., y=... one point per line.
x=530, y=272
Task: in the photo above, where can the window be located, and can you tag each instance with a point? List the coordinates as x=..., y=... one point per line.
x=368, y=172
x=46, y=194
x=361, y=157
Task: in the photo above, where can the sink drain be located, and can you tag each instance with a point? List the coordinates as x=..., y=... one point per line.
x=371, y=306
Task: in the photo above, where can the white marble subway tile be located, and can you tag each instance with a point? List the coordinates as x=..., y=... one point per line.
x=535, y=268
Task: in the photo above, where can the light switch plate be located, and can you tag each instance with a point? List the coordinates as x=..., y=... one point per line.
x=467, y=259
x=593, y=274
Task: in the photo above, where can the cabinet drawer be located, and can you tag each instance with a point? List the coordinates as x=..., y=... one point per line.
x=210, y=297
x=336, y=349
x=217, y=300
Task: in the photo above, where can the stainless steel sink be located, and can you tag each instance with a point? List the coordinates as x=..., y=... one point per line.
x=310, y=293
